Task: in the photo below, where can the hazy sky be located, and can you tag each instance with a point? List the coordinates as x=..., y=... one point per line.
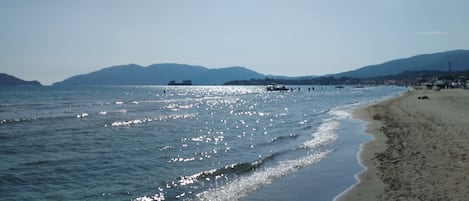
x=52, y=40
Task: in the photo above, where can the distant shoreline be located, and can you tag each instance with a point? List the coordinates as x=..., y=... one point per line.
x=419, y=150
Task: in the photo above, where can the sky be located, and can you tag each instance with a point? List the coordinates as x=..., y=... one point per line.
x=51, y=40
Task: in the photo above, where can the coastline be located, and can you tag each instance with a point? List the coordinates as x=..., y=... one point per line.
x=419, y=150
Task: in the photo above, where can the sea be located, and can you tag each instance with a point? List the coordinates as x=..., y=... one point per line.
x=148, y=143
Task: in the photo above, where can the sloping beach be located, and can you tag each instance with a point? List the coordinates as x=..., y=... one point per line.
x=420, y=150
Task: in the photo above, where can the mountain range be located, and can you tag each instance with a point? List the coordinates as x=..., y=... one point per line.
x=160, y=74
x=457, y=59
x=8, y=80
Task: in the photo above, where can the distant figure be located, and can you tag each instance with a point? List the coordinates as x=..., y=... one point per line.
x=423, y=97
x=164, y=91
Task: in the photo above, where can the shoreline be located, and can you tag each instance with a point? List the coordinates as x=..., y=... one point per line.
x=412, y=154
x=368, y=185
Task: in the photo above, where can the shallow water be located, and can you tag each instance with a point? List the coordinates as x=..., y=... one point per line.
x=178, y=142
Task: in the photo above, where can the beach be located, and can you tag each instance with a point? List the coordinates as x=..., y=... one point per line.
x=420, y=149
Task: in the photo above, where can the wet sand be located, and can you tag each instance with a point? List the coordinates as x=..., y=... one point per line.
x=420, y=150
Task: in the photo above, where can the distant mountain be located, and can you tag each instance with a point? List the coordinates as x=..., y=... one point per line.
x=8, y=80
x=459, y=60
x=160, y=74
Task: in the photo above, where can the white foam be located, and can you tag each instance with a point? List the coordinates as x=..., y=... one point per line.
x=326, y=131
x=340, y=114
x=145, y=120
x=83, y=115
x=241, y=186
x=156, y=197
x=128, y=123
x=324, y=135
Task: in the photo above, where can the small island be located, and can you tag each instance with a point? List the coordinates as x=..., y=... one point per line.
x=184, y=82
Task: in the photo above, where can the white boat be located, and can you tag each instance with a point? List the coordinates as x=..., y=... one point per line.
x=272, y=87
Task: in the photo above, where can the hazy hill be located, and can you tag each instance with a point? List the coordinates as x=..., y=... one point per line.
x=426, y=62
x=8, y=80
x=160, y=74
x=222, y=75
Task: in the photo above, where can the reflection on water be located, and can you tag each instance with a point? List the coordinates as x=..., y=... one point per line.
x=164, y=142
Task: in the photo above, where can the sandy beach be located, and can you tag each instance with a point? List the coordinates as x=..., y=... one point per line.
x=420, y=150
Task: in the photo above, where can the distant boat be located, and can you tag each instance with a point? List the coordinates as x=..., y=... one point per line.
x=339, y=87
x=359, y=86
x=276, y=87
x=184, y=82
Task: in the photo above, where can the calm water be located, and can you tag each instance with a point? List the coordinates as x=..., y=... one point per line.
x=179, y=143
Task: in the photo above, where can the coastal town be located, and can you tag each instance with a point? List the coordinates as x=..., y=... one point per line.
x=427, y=79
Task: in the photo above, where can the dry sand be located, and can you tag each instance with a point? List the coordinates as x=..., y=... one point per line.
x=420, y=151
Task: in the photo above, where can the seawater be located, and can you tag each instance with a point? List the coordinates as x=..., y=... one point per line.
x=180, y=142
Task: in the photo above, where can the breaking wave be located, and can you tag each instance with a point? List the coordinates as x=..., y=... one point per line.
x=243, y=185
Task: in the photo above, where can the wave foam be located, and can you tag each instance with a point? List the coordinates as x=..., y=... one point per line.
x=145, y=120
x=326, y=131
x=241, y=186
x=253, y=177
x=324, y=135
